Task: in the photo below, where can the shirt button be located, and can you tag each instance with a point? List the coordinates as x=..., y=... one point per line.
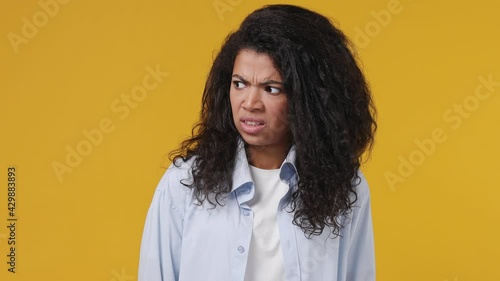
x=246, y=213
x=241, y=249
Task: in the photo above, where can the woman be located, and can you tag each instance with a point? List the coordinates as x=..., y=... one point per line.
x=268, y=187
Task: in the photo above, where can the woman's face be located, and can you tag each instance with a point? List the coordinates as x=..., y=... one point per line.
x=258, y=102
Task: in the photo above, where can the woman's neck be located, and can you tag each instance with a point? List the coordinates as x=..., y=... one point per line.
x=266, y=157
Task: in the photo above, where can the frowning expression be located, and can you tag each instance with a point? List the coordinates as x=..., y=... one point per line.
x=258, y=101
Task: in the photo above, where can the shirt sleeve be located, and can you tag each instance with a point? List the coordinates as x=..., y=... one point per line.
x=361, y=250
x=162, y=236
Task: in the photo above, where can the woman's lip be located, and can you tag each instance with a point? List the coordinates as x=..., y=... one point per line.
x=251, y=130
x=252, y=119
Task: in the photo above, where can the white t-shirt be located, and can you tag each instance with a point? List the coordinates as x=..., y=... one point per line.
x=265, y=258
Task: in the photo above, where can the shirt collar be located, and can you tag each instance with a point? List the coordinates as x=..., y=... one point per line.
x=242, y=176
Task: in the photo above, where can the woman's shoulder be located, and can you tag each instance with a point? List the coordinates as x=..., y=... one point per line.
x=362, y=187
x=176, y=177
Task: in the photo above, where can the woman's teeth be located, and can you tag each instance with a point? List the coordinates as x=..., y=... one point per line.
x=251, y=123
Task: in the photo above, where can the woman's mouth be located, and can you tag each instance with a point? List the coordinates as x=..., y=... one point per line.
x=252, y=127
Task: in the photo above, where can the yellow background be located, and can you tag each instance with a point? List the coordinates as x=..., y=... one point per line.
x=439, y=221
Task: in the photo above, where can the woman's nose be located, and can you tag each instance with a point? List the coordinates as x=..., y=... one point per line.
x=252, y=99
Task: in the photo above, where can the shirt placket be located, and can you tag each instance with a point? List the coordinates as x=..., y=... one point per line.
x=244, y=232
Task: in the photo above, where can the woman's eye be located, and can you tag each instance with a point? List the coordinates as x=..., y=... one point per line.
x=239, y=84
x=273, y=90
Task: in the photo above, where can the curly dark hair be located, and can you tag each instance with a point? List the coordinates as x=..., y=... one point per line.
x=330, y=112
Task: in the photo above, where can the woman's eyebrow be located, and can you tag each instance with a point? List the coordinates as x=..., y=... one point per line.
x=265, y=83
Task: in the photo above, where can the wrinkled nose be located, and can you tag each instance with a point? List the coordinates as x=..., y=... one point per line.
x=252, y=100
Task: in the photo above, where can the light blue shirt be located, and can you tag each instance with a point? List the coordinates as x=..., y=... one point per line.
x=186, y=242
